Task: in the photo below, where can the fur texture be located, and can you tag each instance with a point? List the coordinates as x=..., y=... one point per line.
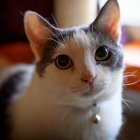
x=60, y=103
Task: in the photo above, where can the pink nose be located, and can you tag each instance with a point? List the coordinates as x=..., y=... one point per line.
x=88, y=78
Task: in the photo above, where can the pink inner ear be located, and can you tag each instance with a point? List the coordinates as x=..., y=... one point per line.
x=38, y=40
x=36, y=31
x=113, y=25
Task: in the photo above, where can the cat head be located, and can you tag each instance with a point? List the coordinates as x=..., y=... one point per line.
x=80, y=64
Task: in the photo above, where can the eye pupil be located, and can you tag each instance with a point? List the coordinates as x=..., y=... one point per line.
x=63, y=62
x=102, y=54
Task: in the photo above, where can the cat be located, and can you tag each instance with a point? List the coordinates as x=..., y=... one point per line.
x=74, y=90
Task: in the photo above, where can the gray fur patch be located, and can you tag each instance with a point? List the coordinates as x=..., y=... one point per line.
x=116, y=59
x=47, y=57
x=7, y=90
x=50, y=49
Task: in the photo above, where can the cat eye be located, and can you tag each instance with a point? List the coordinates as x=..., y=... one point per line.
x=63, y=62
x=102, y=54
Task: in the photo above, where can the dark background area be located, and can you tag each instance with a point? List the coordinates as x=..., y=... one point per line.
x=11, y=17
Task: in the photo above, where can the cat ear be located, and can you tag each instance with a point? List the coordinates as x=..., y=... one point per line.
x=108, y=20
x=37, y=31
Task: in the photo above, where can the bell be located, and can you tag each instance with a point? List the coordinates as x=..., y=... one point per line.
x=96, y=119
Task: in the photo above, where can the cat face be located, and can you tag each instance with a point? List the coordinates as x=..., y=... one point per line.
x=79, y=65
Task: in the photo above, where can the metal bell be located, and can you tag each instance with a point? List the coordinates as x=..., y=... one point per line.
x=96, y=119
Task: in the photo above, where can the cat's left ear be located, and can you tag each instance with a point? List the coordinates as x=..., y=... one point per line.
x=37, y=31
x=108, y=20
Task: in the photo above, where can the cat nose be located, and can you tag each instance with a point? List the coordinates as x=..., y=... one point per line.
x=88, y=78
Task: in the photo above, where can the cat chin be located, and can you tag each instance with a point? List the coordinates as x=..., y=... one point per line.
x=89, y=99
x=82, y=105
x=80, y=100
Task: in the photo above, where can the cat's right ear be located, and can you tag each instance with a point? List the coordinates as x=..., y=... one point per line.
x=108, y=20
x=37, y=31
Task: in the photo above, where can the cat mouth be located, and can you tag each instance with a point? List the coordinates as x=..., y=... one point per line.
x=87, y=94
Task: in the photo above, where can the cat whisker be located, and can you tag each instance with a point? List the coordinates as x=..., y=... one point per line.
x=47, y=29
x=58, y=27
x=52, y=33
x=130, y=74
x=55, y=41
x=125, y=101
x=132, y=83
x=129, y=101
x=127, y=105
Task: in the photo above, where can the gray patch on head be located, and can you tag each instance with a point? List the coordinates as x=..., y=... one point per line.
x=116, y=58
x=50, y=49
x=102, y=39
x=47, y=57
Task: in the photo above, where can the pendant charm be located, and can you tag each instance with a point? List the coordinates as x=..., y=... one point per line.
x=96, y=119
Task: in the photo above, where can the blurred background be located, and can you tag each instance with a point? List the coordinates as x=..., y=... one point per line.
x=14, y=48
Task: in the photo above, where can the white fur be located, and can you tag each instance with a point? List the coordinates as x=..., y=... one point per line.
x=55, y=104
